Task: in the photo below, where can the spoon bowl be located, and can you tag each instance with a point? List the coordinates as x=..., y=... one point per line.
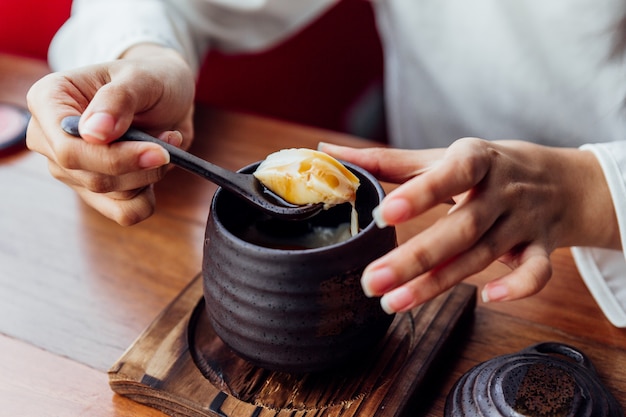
x=245, y=186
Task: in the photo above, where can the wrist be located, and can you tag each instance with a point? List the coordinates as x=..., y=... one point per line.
x=150, y=51
x=144, y=50
x=591, y=219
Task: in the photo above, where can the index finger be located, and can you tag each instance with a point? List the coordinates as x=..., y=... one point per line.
x=465, y=164
x=73, y=153
x=117, y=158
x=386, y=164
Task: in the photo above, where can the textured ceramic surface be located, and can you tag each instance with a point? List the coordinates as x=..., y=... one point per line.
x=547, y=379
x=294, y=310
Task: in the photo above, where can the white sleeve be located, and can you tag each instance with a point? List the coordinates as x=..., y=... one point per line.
x=101, y=30
x=603, y=270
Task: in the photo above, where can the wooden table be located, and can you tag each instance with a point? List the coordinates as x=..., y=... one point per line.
x=76, y=289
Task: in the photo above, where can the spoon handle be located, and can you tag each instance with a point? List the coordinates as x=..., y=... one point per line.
x=246, y=186
x=214, y=173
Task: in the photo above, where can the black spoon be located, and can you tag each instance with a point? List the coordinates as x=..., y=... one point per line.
x=245, y=186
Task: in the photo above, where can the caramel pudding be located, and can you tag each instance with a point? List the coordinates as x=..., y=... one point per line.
x=305, y=176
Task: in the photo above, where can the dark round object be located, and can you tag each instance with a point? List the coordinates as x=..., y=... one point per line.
x=294, y=310
x=544, y=380
x=13, y=124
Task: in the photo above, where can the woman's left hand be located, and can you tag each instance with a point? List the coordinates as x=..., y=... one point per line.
x=515, y=202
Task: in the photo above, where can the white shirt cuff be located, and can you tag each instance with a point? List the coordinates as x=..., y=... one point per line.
x=604, y=273
x=604, y=270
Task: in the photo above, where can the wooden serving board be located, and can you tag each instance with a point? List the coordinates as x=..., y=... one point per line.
x=179, y=366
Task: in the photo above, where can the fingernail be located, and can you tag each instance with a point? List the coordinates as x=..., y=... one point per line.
x=321, y=145
x=377, y=281
x=154, y=158
x=397, y=210
x=494, y=293
x=399, y=299
x=174, y=138
x=98, y=126
x=377, y=214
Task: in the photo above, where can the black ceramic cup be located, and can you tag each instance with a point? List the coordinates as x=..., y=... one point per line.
x=288, y=308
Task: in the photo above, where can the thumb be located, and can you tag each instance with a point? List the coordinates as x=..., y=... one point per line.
x=532, y=271
x=98, y=128
x=112, y=110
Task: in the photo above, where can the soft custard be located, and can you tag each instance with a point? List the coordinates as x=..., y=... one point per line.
x=305, y=176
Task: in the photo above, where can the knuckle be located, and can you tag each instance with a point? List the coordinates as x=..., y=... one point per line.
x=123, y=195
x=133, y=212
x=466, y=167
x=469, y=225
x=437, y=282
x=56, y=171
x=41, y=87
x=120, y=94
x=128, y=218
x=472, y=153
x=66, y=156
x=98, y=183
x=490, y=250
x=420, y=259
x=430, y=192
x=541, y=276
x=532, y=287
x=472, y=143
x=152, y=176
x=114, y=166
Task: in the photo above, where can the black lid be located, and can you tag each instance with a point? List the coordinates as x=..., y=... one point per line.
x=547, y=379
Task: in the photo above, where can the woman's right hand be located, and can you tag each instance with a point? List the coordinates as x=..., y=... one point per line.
x=150, y=87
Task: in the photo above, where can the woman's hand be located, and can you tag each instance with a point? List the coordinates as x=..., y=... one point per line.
x=515, y=202
x=150, y=87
